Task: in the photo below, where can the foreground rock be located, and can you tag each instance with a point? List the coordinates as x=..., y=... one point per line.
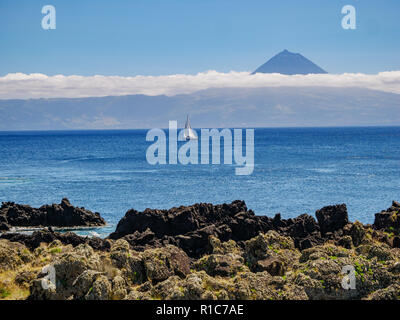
x=55, y=215
x=209, y=252
x=388, y=219
x=332, y=218
x=267, y=267
x=189, y=228
x=34, y=240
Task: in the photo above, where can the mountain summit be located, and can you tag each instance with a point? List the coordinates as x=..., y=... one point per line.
x=289, y=63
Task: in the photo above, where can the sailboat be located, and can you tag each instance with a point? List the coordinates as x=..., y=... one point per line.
x=189, y=133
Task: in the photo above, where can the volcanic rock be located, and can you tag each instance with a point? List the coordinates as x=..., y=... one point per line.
x=190, y=228
x=55, y=215
x=332, y=218
x=32, y=241
x=388, y=219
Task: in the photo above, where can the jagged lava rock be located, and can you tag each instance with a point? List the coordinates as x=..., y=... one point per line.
x=32, y=241
x=176, y=221
x=332, y=218
x=191, y=227
x=55, y=215
x=388, y=219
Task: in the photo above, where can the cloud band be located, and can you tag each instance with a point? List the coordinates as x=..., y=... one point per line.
x=27, y=86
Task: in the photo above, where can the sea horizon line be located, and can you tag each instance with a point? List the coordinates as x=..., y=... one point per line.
x=227, y=127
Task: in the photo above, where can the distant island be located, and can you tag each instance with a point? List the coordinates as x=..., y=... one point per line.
x=249, y=107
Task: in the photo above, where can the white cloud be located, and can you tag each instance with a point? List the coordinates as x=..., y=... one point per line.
x=36, y=85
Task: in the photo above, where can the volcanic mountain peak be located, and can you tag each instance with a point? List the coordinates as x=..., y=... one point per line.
x=289, y=63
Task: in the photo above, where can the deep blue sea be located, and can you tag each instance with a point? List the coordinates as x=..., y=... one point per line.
x=297, y=170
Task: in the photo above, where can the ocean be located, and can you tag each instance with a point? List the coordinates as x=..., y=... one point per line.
x=297, y=170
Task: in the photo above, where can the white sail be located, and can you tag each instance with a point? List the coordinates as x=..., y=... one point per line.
x=189, y=133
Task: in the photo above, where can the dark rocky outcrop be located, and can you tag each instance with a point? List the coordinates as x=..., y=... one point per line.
x=388, y=219
x=332, y=218
x=177, y=221
x=304, y=230
x=190, y=227
x=55, y=215
x=33, y=241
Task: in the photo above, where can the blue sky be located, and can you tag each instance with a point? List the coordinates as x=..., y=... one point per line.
x=157, y=37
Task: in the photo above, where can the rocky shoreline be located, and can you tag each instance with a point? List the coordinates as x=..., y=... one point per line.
x=55, y=215
x=202, y=251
